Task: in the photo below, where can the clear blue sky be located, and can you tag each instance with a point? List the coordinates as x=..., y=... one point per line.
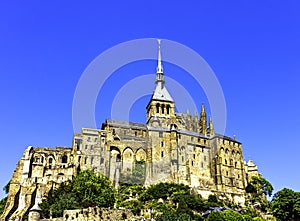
x=252, y=46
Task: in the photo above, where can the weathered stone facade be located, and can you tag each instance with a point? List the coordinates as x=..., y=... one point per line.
x=176, y=147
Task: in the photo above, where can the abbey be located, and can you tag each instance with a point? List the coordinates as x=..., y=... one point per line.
x=175, y=147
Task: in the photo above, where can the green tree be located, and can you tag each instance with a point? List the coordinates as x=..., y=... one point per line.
x=137, y=176
x=225, y=216
x=6, y=188
x=91, y=189
x=163, y=190
x=285, y=205
x=86, y=189
x=169, y=215
x=2, y=205
x=259, y=186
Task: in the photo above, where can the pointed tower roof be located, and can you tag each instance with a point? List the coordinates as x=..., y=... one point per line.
x=160, y=92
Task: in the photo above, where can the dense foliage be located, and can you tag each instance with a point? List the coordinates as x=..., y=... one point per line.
x=137, y=176
x=285, y=205
x=85, y=190
x=259, y=188
x=168, y=201
x=2, y=205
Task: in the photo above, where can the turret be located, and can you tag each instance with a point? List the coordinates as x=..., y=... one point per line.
x=211, y=128
x=203, y=120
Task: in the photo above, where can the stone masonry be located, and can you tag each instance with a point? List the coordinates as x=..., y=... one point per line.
x=176, y=147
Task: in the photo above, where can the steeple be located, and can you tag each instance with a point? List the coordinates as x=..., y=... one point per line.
x=161, y=104
x=203, y=120
x=160, y=81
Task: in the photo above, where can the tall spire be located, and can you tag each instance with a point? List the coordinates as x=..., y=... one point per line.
x=159, y=65
x=159, y=71
x=203, y=126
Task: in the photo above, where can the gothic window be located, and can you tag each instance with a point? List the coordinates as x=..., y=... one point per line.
x=118, y=159
x=235, y=164
x=204, y=141
x=233, y=153
x=85, y=160
x=192, y=163
x=163, y=109
x=92, y=160
x=168, y=109
x=194, y=156
x=226, y=151
x=162, y=153
x=162, y=144
x=157, y=108
x=199, y=140
x=50, y=160
x=64, y=159
x=225, y=161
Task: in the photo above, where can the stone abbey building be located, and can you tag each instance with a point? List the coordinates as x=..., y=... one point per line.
x=175, y=147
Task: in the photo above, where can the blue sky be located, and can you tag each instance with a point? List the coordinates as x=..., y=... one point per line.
x=253, y=48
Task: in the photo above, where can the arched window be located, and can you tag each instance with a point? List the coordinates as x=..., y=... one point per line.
x=231, y=162
x=225, y=161
x=235, y=164
x=92, y=160
x=50, y=160
x=233, y=153
x=163, y=109
x=118, y=158
x=168, y=109
x=157, y=108
x=64, y=159
x=226, y=151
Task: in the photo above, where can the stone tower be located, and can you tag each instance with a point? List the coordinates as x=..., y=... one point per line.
x=161, y=105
